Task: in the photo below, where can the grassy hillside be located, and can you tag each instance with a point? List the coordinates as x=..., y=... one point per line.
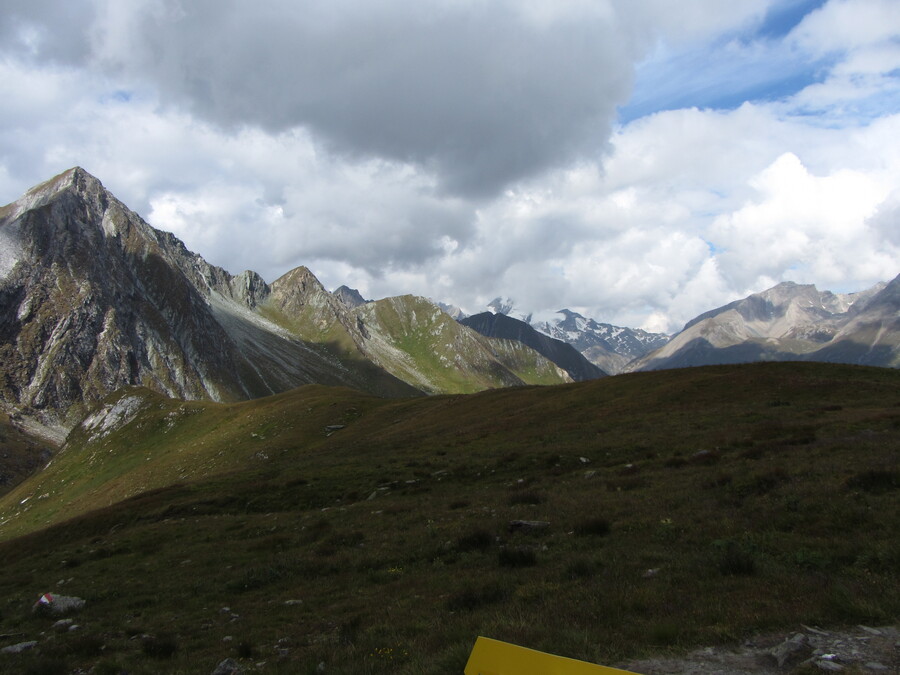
x=20, y=454
x=413, y=339
x=681, y=508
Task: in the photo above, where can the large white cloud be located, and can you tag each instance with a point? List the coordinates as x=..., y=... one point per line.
x=467, y=149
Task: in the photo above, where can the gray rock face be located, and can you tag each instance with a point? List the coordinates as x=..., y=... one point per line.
x=19, y=648
x=228, y=667
x=349, y=296
x=792, y=651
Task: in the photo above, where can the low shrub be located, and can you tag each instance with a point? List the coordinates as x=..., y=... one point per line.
x=477, y=540
x=531, y=498
x=875, y=481
x=593, y=527
x=473, y=598
x=246, y=650
x=517, y=556
x=161, y=646
x=735, y=559
x=47, y=665
x=580, y=569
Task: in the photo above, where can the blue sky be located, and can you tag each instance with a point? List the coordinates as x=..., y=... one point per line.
x=637, y=161
x=751, y=63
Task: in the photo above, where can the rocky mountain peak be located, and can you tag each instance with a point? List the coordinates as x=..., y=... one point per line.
x=249, y=288
x=76, y=181
x=349, y=296
x=297, y=288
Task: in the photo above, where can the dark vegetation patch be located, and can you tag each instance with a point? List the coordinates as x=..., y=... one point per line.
x=593, y=527
x=476, y=540
x=160, y=646
x=517, y=556
x=476, y=597
x=875, y=481
x=527, y=497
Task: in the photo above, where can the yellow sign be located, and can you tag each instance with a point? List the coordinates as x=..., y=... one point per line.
x=492, y=657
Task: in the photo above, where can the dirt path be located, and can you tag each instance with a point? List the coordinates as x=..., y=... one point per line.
x=860, y=650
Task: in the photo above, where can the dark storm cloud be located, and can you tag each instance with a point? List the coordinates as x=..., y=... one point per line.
x=480, y=93
x=46, y=29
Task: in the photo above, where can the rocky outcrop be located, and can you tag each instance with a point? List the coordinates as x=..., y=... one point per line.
x=349, y=296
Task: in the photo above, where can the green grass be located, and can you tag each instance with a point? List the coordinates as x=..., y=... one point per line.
x=20, y=455
x=764, y=496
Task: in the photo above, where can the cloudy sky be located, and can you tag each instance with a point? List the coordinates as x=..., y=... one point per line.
x=640, y=161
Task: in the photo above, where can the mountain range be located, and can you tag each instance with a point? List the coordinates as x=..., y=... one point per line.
x=610, y=348
x=92, y=299
x=790, y=322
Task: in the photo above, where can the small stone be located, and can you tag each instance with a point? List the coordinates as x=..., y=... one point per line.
x=878, y=667
x=19, y=648
x=810, y=629
x=228, y=667
x=829, y=666
x=321, y=667
x=871, y=631
x=291, y=603
x=528, y=526
x=62, y=625
x=792, y=651
x=649, y=574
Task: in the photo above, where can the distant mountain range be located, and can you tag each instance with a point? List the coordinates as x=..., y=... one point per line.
x=92, y=299
x=610, y=348
x=790, y=322
x=561, y=353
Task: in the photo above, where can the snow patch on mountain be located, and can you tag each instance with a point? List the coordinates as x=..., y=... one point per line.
x=507, y=307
